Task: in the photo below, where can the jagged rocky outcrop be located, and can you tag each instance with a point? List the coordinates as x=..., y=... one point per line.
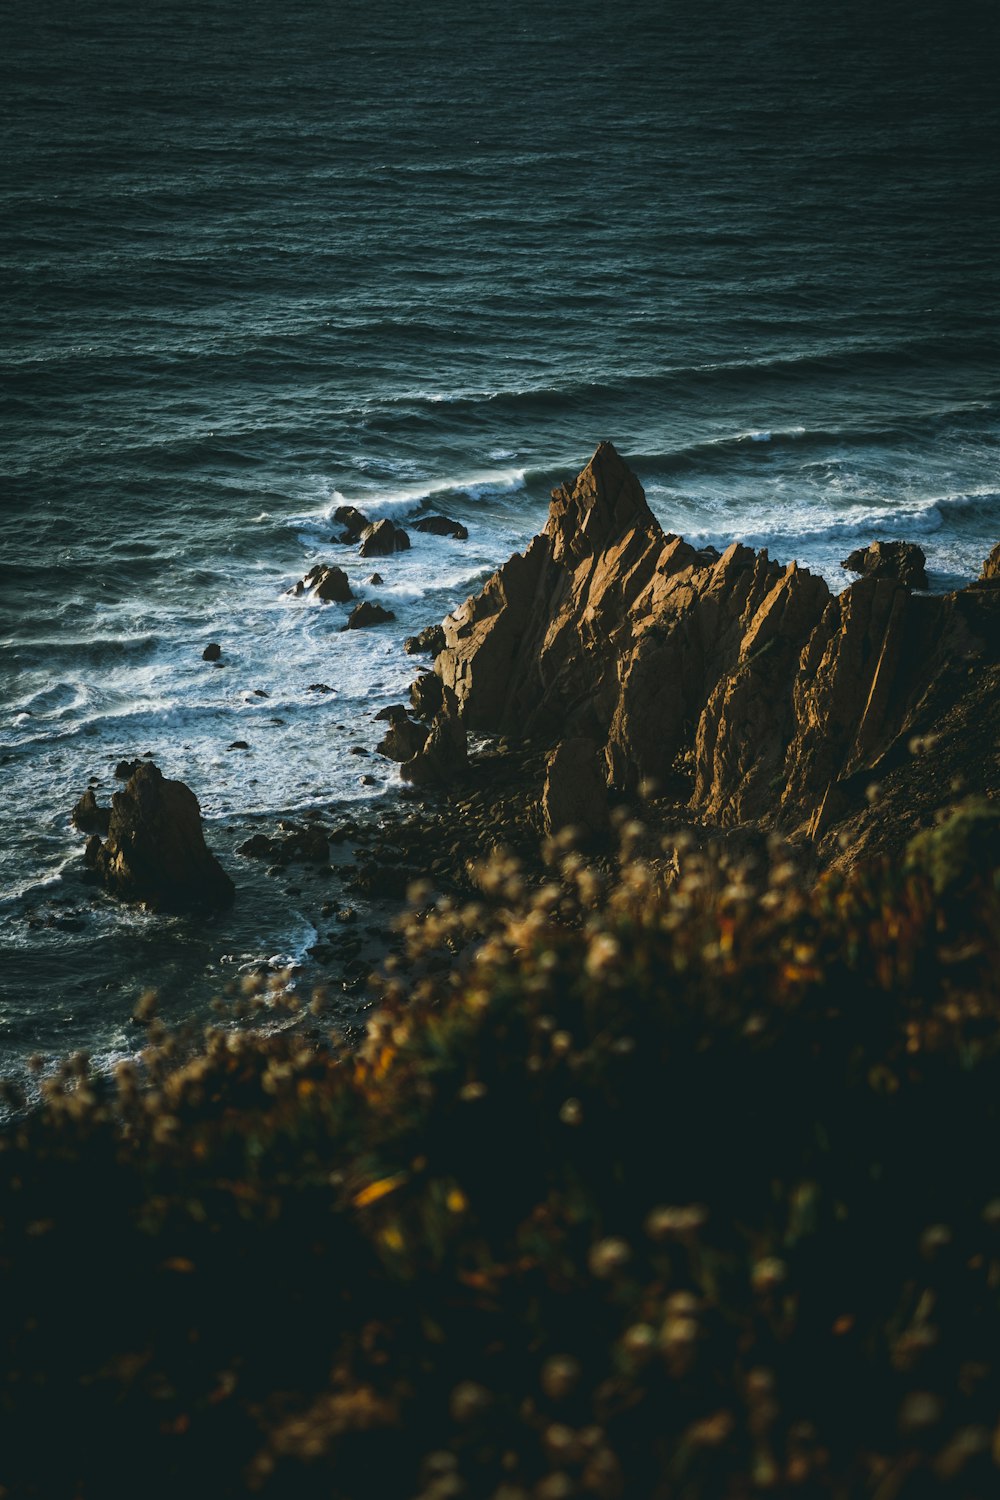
x=155, y=851
x=383, y=539
x=429, y=640
x=89, y=816
x=328, y=583
x=575, y=794
x=736, y=685
x=368, y=613
x=354, y=522
x=991, y=567
x=903, y=561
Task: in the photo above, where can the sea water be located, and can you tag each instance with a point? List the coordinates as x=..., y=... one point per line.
x=258, y=260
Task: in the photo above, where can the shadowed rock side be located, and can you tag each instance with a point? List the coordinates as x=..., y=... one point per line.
x=155, y=850
x=738, y=685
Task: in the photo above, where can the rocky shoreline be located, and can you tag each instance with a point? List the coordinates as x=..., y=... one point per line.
x=610, y=672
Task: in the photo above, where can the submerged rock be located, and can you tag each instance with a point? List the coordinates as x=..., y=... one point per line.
x=155, y=850
x=903, y=561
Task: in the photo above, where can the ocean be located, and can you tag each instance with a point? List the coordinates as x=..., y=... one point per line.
x=259, y=260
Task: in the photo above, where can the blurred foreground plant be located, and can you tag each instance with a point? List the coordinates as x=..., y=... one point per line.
x=680, y=1180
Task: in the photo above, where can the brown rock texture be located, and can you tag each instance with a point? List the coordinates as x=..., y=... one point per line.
x=368, y=613
x=403, y=739
x=903, y=561
x=328, y=583
x=736, y=685
x=991, y=567
x=155, y=850
x=442, y=759
x=383, y=539
x=575, y=793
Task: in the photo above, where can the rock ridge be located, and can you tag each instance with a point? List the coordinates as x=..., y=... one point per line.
x=740, y=687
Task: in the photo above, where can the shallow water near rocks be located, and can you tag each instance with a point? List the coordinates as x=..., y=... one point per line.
x=258, y=266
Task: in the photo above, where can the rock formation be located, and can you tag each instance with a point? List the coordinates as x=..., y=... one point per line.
x=740, y=687
x=383, y=539
x=328, y=583
x=430, y=639
x=89, y=817
x=155, y=850
x=991, y=567
x=368, y=613
x=353, y=521
x=903, y=561
x=575, y=793
x=442, y=526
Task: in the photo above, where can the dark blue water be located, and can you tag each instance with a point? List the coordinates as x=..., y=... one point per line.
x=254, y=258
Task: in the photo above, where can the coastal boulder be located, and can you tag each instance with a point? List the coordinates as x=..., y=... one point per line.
x=383, y=539
x=328, y=583
x=353, y=521
x=368, y=613
x=155, y=851
x=903, y=561
x=991, y=567
x=442, y=526
x=430, y=639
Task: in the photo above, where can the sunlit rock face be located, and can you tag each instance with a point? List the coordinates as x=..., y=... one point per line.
x=741, y=683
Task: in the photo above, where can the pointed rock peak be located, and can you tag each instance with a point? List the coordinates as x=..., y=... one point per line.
x=604, y=503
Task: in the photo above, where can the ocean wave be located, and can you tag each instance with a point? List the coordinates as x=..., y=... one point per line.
x=860, y=358
x=411, y=499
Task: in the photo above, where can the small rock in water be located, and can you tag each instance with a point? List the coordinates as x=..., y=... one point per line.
x=124, y=769
x=260, y=693
x=358, y=750
x=368, y=614
x=442, y=526
x=329, y=584
x=238, y=745
x=375, y=580
x=383, y=539
x=430, y=639
x=904, y=561
x=212, y=652
x=319, y=687
x=353, y=521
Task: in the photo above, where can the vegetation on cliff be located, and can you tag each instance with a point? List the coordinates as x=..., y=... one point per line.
x=678, y=1179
